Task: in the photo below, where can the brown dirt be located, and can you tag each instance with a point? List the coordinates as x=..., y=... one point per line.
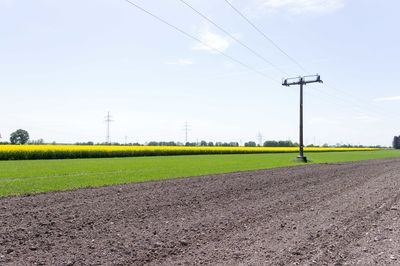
x=336, y=214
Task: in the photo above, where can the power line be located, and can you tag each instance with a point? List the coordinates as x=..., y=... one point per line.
x=332, y=101
x=272, y=42
x=200, y=41
x=233, y=37
x=265, y=36
x=356, y=106
x=356, y=99
x=219, y=51
x=354, y=102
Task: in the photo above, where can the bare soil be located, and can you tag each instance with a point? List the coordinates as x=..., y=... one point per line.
x=333, y=214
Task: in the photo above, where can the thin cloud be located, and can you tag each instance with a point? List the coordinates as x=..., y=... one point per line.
x=181, y=62
x=299, y=7
x=387, y=99
x=211, y=40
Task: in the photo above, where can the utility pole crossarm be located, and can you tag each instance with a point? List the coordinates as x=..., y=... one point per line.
x=302, y=80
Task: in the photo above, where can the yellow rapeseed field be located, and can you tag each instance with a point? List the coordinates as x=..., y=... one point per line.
x=18, y=152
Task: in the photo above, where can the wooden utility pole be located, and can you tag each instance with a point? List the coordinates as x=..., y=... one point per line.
x=301, y=81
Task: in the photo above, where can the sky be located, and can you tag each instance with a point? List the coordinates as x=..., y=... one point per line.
x=65, y=64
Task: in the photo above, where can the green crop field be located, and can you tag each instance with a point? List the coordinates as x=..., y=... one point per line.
x=34, y=176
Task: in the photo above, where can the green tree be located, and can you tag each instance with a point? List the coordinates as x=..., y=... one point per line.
x=20, y=136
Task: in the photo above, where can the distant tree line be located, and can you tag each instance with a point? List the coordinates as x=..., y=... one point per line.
x=339, y=145
x=163, y=143
x=396, y=142
x=202, y=143
x=272, y=143
x=281, y=143
x=21, y=136
x=167, y=143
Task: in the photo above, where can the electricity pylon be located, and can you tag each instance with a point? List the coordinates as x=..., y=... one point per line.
x=186, y=128
x=108, y=120
x=260, y=139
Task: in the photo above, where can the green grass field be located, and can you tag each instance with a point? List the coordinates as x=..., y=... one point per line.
x=26, y=177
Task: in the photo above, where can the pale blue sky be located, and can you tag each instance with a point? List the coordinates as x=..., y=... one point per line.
x=64, y=64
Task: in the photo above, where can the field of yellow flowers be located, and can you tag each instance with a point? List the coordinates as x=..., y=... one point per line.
x=28, y=152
